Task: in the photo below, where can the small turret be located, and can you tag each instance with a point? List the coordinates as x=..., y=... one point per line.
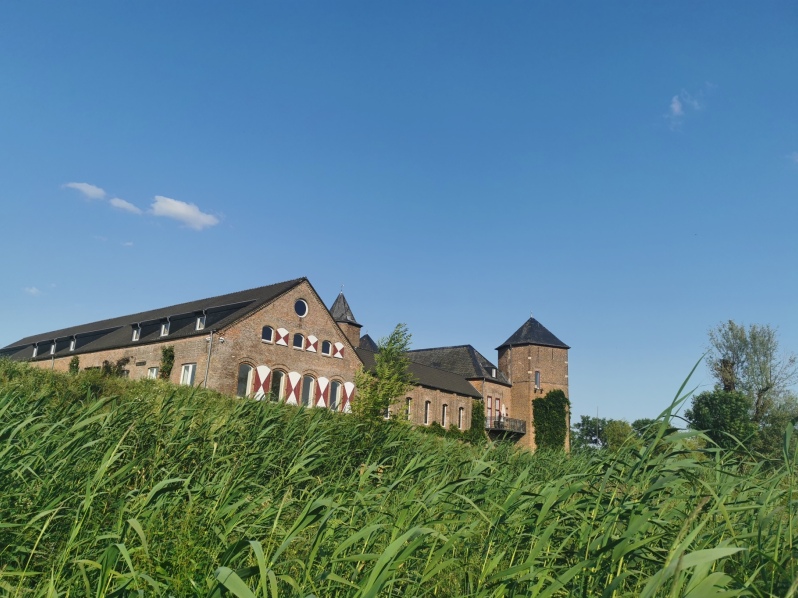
x=343, y=316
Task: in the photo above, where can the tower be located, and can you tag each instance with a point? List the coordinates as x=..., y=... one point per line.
x=343, y=316
x=535, y=362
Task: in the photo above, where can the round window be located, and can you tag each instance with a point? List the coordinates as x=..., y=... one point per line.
x=301, y=308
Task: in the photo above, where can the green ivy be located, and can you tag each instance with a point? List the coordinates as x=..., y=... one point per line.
x=476, y=433
x=167, y=362
x=74, y=364
x=550, y=416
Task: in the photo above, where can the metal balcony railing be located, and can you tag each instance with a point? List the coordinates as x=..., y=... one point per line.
x=505, y=424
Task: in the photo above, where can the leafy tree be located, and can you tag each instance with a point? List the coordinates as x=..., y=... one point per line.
x=617, y=432
x=476, y=433
x=167, y=362
x=642, y=426
x=748, y=360
x=770, y=438
x=588, y=432
x=74, y=364
x=724, y=415
x=389, y=380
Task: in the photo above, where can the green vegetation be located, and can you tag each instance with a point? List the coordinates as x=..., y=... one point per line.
x=74, y=364
x=388, y=382
x=167, y=362
x=551, y=420
x=114, y=487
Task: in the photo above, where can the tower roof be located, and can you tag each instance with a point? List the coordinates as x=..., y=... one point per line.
x=533, y=332
x=341, y=312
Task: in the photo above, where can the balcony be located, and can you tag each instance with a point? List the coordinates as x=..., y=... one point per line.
x=505, y=424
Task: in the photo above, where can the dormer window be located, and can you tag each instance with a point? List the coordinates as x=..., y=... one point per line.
x=35, y=350
x=72, y=344
x=165, y=328
x=136, y=333
x=201, y=322
x=492, y=372
x=52, y=348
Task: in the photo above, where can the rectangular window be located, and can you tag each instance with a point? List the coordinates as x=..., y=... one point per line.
x=136, y=333
x=497, y=413
x=537, y=379
x=490, y=410
x=152, y=373
x=426, y=412
x=72, y=344
x=165, y=329
x=443, y=415
x=409, y=402
x=201, y=322
x=35, y=350
x=187, y=374
x=52, y=349
x=460, y=418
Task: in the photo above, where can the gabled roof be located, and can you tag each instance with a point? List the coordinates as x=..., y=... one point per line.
x=429, y=377
x=463, y=360
x=533, y=332
x=117, y=332
x=341, y=312
x=366, y=342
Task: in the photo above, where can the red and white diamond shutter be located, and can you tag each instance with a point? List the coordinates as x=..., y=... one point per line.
x=322, y=390
x=282, y=337
x=292, y=392
x=263, y=382
x=348, y=392
x=311, y=344
x=338, y=350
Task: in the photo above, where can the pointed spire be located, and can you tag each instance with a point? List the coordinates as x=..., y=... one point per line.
x=533, y=332
x=341, y=312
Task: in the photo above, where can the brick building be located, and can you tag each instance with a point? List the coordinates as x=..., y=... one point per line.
x=282, y=341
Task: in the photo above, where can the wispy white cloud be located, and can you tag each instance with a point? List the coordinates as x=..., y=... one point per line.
x=187, y=213
x=33, y=291
x=685, y=102
x=127, y=244
x=88, y=191
x=124, y=205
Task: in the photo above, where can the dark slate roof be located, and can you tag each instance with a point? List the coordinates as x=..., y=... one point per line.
x=341, y=312
x=463, y=360
x=429, y=377
x=116, y=333
x=366, y=342
x=533, y=333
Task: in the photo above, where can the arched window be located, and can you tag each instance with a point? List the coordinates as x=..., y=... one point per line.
x=460, y=418
x=308, y=388
x=409, y=402
x=245, y=373
x=444, y=413
x=426, y=412
x=335, y=395
x=267, y=334
x=277, y=390
x=299, y=341
x=326, y=348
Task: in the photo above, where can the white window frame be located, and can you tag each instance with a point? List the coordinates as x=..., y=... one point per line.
x=152, y=373
x=311, y=391
x=52, y=348
x=444, y=413
x=409, y=406
x=328, y=353
x=35, y=350
x=200, y=322
x=187, y=373
x=72, y=343
x=293, y=341
x=335, y=397
x=305, y=303
x=537, y=379
x=460, y=413
x=270, y=340
x=165, y=328
x=427, y=405
x=136, y=333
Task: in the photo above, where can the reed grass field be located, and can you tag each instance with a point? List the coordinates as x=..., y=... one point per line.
x=111, y=487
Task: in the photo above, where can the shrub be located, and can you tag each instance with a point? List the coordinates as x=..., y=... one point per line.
x=550, y=415
x=167, y=362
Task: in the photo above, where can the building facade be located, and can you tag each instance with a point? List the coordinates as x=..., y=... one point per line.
x=281, y=341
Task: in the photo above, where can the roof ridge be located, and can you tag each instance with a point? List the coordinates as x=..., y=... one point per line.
x=434, y=348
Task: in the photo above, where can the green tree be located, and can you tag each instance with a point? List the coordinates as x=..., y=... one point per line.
x=617, y=432
x=74, y=364
x=748, y=360
x=390, y=379
x=588, y=433
x=725, y=416
x=643, y=426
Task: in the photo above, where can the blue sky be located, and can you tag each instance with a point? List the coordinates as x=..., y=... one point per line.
x=626, y=172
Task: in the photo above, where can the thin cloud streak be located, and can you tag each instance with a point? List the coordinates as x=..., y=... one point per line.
x=187, y=213
x=87, y=190
x=124, y=205
x=33, y=291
